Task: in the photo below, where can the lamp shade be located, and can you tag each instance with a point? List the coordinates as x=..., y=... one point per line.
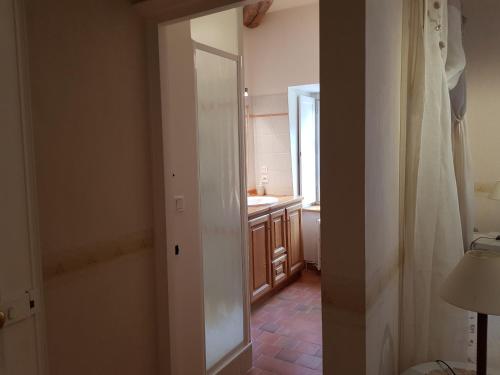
x=495, y=194
x=474, y=284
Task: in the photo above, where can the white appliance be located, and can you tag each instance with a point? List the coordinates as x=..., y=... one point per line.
x=318, y=265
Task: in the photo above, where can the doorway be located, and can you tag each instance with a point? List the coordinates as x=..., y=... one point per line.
x=200, y=67
x=215, y=273
x=282, y=127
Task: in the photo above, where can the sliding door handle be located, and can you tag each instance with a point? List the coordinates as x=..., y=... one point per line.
x=3, y=318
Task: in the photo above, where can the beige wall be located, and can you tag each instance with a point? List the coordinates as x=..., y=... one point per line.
x=88, y=71
x=89, y=99
x=360, y=147
x=342, y=30
x=483, y=80
x=383, y=83
x=483, y=109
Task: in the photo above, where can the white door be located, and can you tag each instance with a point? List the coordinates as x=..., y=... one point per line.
x=20, y=327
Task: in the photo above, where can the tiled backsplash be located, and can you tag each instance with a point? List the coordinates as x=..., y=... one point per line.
x=270, y=128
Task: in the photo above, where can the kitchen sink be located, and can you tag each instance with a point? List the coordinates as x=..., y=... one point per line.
x=261, y=200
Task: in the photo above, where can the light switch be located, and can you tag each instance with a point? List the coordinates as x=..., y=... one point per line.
x=11, y=313
x=263, y=169
x=179, y=203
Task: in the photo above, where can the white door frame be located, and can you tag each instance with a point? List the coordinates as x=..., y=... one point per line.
x=19, y=15
x=160, y=187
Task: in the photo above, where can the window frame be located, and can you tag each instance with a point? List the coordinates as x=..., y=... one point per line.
x=316, y=98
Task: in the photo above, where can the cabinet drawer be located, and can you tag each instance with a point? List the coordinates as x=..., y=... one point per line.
x=279, y=269
x=278, y=252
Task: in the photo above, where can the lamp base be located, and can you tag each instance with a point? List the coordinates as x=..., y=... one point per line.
x=482, y=344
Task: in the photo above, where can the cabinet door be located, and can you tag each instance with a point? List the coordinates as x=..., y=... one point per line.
x=294, y=240
x=260, y=256
x=278, y=233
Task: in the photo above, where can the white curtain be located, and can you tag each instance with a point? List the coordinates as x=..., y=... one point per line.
x=430, y=328
x=455, y=65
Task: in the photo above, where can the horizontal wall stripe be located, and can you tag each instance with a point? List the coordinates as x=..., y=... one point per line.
x=71, y=260
x=270, y=115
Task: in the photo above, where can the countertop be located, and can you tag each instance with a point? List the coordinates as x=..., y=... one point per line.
x=283, y=201
x=313, y=208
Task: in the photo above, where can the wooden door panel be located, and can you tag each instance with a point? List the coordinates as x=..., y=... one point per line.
x=259, y=238
x=294, y=234
x=260, y=257
x=278, y=233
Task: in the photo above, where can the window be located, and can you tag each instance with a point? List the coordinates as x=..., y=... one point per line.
x=308, y=150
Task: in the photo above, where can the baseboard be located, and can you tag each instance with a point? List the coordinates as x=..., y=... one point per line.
x=291, y=279
x=311, y=266
x=238, y=364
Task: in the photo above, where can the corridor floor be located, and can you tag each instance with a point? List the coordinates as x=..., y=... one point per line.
x=286, y=330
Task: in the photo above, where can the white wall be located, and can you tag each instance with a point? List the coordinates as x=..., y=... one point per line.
x=282, y=52
x=483, y=109
x=250, y=145
x=212, y=30
x=383, y=82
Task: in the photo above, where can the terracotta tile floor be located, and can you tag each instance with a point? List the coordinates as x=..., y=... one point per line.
x=286, y=330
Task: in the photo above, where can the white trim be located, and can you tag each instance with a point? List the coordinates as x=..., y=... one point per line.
x=198, y=216
x=159, y=187
x=218, y=52
x=238, y=363
x=299, y=144
x=30, y=181
x=405, y=69
x=183, y=248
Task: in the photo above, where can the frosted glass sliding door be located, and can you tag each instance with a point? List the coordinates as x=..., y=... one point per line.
x=217, y=76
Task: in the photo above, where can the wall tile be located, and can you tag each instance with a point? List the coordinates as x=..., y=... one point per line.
x=266, y=104
x=272, y=143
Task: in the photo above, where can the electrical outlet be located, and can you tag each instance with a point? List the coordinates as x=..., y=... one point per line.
x=264, y=179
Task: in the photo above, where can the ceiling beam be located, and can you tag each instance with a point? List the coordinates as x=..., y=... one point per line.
x=253, y=14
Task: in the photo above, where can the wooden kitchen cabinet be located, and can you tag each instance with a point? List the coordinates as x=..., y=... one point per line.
x=260, y=256
x=278, y=246
x=294, y=238
x=275, y=247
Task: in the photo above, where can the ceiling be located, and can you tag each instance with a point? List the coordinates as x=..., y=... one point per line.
x=286, y=4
